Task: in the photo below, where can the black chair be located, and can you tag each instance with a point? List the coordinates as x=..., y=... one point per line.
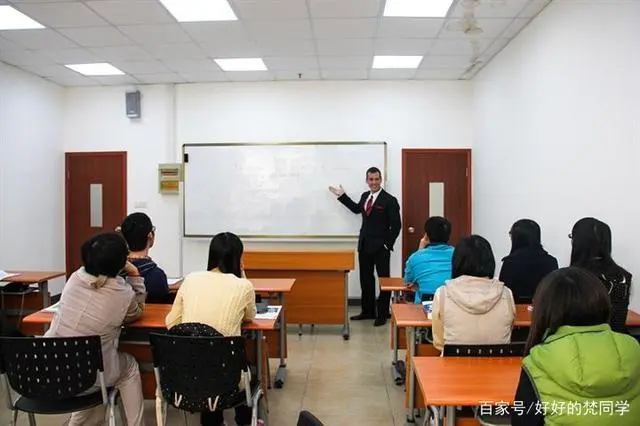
x=307, y=419
x=53, y=375
x=201, y=373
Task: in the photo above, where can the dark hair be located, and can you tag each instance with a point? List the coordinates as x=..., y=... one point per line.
x=524, y=233
x=438, y=229
x=225, y=253
x=590, y=240
x=135, y=229
x=567, y=296
x=104, y=254
x=373, y=170
x=473, y=256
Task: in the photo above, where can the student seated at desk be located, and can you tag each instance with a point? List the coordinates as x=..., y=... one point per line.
x=473, y=307
x=97, y=301
x=574, y=360
x=591, y=250
x=527, y=263
x=220, y=298
x=430, y=266
x=140, y=234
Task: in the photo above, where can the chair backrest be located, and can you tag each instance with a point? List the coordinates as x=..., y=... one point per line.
x=503, y=350
x=55, y=368
x=194, y=371
x=307, y=419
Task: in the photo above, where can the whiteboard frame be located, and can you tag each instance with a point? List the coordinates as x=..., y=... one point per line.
x=270, y=236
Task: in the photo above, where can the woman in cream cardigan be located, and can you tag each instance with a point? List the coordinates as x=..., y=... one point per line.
x=220, y=298
x=472, y=308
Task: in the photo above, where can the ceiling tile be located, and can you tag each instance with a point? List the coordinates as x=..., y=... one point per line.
x=345, y=62
x=310, y=74
x=459, y=47
x=294, y=28
x=191, y=65
x=116, y=80
x=515, y=27
x=400, y=46
x=160, y=78
x=156, y=34
x=204, y=77
x=439, y=74
x=344, y=9
x=218, y=31
x=50, y=70
x=250, y=75
x=23, y=57
x=392, y=74
x=271, y=9
x=491, y=9
x=491, y=28
x=77, y=80
x=286, y=47
x=292, y=63
x=347, y=46
x=495, y=47
x=533, y=8
x=121, y=53
x=441, y=61
x=237, y=49
x=176, y=51
x=39, y=39
x=361, y=74
x=69, y=56
x=8, y=45
x=61, y=15
x=96, y=36
x=344, y=28
x=409, y=27
x=127, y=12
x=141, y=67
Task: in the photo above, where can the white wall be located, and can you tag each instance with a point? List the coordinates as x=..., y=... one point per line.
x=31, y=174
x=557, y=133
x=404, y=114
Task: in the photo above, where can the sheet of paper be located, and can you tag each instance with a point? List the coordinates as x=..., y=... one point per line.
x=273, y=311
x=4, y=275
x=53, y=308
x=172, y=281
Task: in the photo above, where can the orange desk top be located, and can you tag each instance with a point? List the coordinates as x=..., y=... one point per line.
x=33, y=277
x=467, y=381
x=273, y=285
x=152, y=317
x=394, y=284
x=412, y=315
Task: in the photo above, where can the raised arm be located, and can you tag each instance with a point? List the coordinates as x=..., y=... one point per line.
x=345, y=200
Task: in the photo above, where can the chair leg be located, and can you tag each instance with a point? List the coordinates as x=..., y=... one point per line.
x=299, y=329
x=161, y=411
x=14, y=421
x=185, y=416
x=32, y=419
x=21, y=311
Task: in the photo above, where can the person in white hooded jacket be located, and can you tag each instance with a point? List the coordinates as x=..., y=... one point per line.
x=472, y=308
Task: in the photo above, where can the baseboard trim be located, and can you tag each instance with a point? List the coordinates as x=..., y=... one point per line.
x=354, y=302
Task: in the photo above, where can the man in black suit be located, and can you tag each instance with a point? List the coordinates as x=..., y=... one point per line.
x=379, y=231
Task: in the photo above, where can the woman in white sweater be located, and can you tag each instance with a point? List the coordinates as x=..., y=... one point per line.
x=472, y=308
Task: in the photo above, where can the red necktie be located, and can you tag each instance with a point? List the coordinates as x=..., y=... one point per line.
x=369, y=206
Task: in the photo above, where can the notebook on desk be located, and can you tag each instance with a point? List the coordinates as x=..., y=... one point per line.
x=427, y=306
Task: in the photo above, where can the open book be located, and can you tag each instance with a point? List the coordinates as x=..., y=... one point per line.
x=273, y=311
x=428, y=308
x=4, y=275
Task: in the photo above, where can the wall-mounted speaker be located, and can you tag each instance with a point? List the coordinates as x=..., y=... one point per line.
x=133, y=104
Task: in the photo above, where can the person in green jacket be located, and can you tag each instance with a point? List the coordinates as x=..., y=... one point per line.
x=577, y=371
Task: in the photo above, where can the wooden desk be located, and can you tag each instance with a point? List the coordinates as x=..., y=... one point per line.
x=135, y=339
x=278, y=286
x=454, y=381
x=36, y=277
x=321, y=290
x=396, y=286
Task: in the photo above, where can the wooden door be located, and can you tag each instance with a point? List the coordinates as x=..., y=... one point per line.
x=435, y=182
x=95, y=198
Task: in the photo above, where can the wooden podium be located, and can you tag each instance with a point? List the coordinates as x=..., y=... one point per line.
x=320, y=293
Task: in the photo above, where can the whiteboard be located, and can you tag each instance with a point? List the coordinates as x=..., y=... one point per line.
x=275, y=190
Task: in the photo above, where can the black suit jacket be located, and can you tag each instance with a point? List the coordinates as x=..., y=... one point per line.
x=382, y=226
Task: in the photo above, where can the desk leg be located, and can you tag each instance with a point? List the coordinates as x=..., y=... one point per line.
x=451, y=416
x=259, y=343
x=280, y=374
x=412, y=381
x=399, y=369
x=46, y=300
x=345, y=330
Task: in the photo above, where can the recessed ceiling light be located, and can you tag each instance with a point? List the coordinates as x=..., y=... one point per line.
x=241, y=64
x=200, y=10
x=382, y=62
x=97, y=69
x=418, y=8
x=12, y=19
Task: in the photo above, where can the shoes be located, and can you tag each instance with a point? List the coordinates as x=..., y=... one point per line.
x=361, y=317
x=379, y=322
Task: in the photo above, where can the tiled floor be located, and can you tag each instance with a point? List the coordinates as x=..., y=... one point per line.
x=341, y=382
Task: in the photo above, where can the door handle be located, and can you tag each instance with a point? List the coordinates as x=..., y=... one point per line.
x=411, y=229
